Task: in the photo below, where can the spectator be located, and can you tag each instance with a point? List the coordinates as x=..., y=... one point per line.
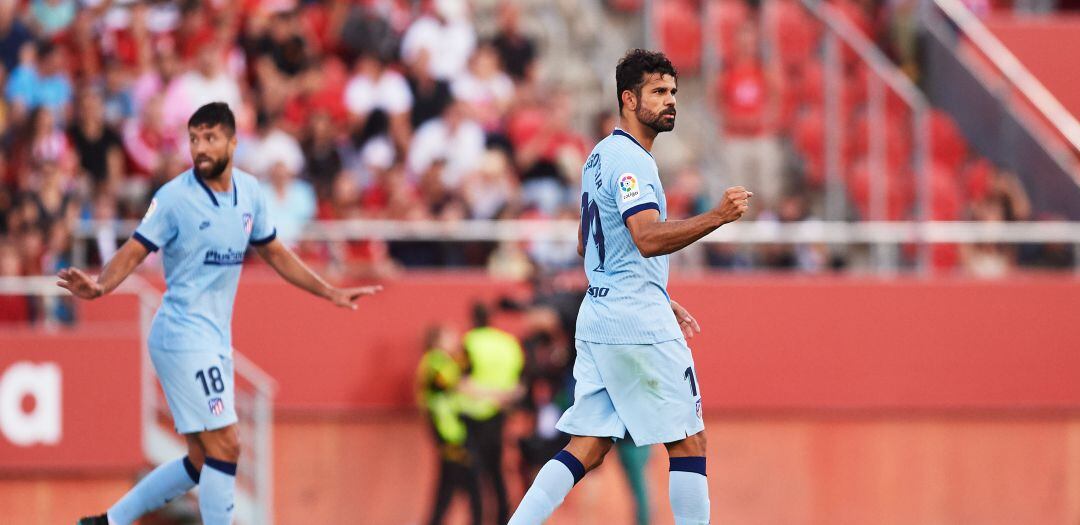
x=517, y=51
x=548, y=153
x=485, y=89
x=438, y=376
x=289, y=201
x=445, y=32
x=453, y=137
x=431, y=96
x=378, y=97
x=13, y=308
x=148, y=142
x=52, y=16
x=495, y=365
x=13, y=35
x=492, y=189
x=208, y=82
x=269, y=146
x=40, y=81
x=749, y=96
x=322, y=154
x=100, y=150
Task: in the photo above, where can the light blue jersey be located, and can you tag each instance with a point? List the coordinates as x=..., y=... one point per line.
x=627, y=300
x=203, y=236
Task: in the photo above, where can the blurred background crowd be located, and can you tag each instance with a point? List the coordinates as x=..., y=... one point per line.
x=448, y=110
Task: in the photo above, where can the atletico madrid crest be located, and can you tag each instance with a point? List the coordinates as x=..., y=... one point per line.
x=217, y=406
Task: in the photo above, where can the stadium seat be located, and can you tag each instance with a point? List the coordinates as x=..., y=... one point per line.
x=725, y=18
x=947, y=144
x=899, y=193
x=679, y=28
x=795, y=34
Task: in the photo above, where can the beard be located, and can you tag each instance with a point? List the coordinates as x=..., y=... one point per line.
x=657, y=121
x=215, y=170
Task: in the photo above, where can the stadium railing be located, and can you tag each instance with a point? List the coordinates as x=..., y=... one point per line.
x=254, y=392
x=886, y=236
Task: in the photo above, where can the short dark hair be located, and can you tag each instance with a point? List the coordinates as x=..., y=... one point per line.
x=213, y=114
x=632, y=68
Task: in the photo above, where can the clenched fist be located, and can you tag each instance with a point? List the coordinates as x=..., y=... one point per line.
x=733, y=204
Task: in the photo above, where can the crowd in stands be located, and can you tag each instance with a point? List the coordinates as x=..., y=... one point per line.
x=770, y=102
x=393, y=109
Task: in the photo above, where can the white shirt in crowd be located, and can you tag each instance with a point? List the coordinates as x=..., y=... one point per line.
x=449, y=45
x=462, y=147
x=389, y=92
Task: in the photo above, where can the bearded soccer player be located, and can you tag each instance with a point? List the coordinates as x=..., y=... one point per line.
x=203, y=222
x=635, y=374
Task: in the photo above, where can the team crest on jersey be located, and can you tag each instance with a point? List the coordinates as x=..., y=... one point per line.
x=628, y=187
x=247, y=223
x=217, y=406
x=150, y=210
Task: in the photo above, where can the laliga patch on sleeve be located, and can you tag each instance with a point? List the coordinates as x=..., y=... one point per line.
x=150, y=210
x=628, y=187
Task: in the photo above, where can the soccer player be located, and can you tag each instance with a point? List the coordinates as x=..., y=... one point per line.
x=203, y=222
x=634, y=371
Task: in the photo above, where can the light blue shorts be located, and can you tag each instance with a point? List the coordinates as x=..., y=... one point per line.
x=198, y=387
x=648, y=391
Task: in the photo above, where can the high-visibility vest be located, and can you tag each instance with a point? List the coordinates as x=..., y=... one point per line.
x=496, y=361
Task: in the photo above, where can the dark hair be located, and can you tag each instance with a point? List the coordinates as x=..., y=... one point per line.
x=480, y=316
x=632, y=68
x=213, y=114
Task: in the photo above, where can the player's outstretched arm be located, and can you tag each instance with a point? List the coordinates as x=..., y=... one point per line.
x=289, y=266
x=655, y=237
x=126, y=259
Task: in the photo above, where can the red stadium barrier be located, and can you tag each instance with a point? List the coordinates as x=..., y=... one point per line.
x=70, y=401
x=768, y=342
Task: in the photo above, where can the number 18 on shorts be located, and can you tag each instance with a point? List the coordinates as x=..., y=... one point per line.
x=198, y=387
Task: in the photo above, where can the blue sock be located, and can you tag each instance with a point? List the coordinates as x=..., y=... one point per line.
x=551, y=485
x=688, y=489
x=160, y=486
x=217, y=490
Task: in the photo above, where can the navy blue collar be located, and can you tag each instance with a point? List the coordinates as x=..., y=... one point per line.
x=213, y=198
x=632, y=139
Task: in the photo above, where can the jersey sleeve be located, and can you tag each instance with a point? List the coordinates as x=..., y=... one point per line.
x=635, y=188
x=262, y=230
x=159, y=225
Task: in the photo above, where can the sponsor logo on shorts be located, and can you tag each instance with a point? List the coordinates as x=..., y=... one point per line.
x=628, y=187
x=217, y=406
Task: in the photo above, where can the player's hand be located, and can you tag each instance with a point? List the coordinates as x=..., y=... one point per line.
x=687, y=323
x=346, y=297
x=734, y=203
x=79, y=284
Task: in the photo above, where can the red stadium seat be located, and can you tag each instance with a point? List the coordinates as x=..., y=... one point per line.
x=725, y=18
x=898, y=192
x=947, y=144
x=679, y=29
x=976, y=178
x=808, y=136
x=794, y=33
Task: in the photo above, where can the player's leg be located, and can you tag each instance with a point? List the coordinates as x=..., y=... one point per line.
x=217, y=483
x=558, y=476
x=593, y=423
x=172, y=479
x=219, y=439
x=655, y=391
x=688, y=487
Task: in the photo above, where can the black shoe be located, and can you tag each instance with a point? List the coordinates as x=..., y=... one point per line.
x=94, y=520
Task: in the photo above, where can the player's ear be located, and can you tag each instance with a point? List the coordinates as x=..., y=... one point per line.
x=629, y=100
